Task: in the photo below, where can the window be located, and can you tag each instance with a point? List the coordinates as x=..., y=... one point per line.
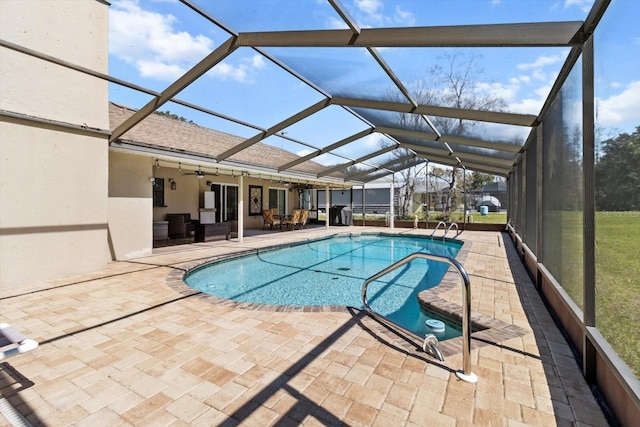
x=158, y=192
x=278, y=199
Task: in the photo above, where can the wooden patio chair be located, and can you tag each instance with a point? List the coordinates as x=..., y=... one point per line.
x=303, y=218
x=269, y=219
x=294, y=220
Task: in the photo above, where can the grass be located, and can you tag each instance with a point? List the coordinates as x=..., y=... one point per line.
x=490, y=218
x=617, y=274
x=618, y=283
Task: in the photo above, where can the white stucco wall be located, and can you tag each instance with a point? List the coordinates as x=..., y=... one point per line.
x=130, y=200
x=53, y=181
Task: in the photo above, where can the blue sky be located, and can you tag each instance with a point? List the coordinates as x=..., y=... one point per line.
x=153, y=42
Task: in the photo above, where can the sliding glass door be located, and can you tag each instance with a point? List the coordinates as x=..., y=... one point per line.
x=226, y=202
x=278, y=199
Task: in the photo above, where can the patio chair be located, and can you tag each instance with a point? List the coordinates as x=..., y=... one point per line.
x=269, y=219
x=15, y=342
x=179, y=226
x=294, y=220
x=303, y=218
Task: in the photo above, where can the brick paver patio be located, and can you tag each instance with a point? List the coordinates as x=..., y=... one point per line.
x=124, y=347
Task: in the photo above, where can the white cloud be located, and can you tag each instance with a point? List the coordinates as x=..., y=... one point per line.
x=158, y=70
x=240, y=73
x=257, y=61
x=336, y=24
x=620, y=109
x=540, y=75
x=370, y=7
x=541, y=61
x=405, y=17
x=583, y=5
x=371, y=142
x=513, y=134
x=149, y=41
x=500, y=90
x=538, y=70
x=531, y=104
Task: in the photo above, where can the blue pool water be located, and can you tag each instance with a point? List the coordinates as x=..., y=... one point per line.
x=331, y=272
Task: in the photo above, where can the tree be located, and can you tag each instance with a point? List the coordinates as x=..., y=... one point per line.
x=479, y=180
x=173, y=116
x=454, y=82
x=617, y=173
x=441, y=182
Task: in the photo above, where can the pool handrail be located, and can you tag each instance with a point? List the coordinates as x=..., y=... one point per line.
x=465, y=374
x=450, y=227
x=438, y=226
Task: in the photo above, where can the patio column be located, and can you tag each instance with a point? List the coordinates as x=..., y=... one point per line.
x=326, y=207
x=240, y=208
x=393, y=183
x=464, y=205
x=363, y=205
x=426, y=188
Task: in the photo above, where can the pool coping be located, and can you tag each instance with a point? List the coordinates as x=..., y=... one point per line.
x=486, y=330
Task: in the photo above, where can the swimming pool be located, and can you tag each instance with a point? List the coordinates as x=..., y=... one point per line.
x=331, y=272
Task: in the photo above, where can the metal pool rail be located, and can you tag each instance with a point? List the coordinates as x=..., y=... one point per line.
x=441, y=223
x=465, y=374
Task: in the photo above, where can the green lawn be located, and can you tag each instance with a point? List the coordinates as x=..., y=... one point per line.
x=617, y=274
x=618, y=283
x=490, y=218
x=474, y=216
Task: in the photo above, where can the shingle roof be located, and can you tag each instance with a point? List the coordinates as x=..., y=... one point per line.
x=176, y=136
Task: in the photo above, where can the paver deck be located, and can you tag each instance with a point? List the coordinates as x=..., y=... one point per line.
x=123, y=347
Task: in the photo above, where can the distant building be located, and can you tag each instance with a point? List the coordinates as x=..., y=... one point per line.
x=493, y=195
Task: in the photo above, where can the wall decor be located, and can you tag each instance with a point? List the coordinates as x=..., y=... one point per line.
x=255, y=200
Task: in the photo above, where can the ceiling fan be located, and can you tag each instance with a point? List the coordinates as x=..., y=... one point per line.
x=199, y=173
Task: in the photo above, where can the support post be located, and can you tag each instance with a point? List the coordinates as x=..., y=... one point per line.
x=240, y=208
x=464, y=188
x=326, y=207
x=588, y=212
x=393, y=184
x=364, y=206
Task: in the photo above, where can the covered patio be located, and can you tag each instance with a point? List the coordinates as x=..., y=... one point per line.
x=98, y=144
x=123, y=347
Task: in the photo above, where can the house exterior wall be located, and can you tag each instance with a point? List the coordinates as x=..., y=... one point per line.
x=186, y=197
x=71, y=30
x=130, y=205
x=53, y=217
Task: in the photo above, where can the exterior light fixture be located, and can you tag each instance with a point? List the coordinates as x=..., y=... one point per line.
x=172, y=183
